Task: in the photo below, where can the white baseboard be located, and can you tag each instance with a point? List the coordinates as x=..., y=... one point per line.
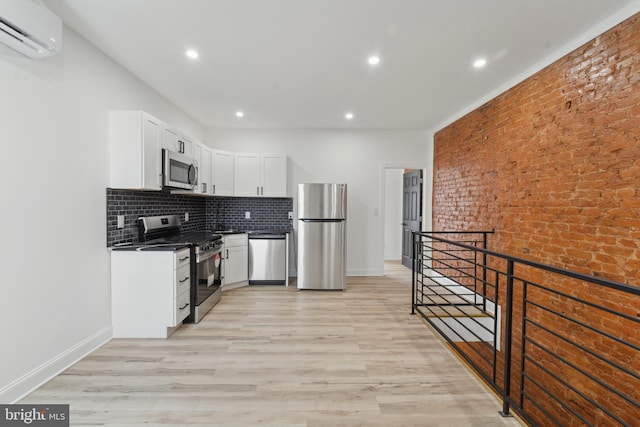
x=365, y=272
x=24, y=385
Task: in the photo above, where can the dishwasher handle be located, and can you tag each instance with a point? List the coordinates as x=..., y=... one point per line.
x=267, y=237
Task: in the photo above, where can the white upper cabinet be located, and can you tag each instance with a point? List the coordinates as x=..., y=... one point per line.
x=274, y=175
x=260, y=175
x=137, y=140
x=185, y=145
x=135, y=150
x=247, y=174
x=173, y=140
x=221, y=173
x=202, y=155
x=170, y=138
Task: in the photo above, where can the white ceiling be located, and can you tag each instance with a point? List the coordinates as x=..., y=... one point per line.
x=303, y=63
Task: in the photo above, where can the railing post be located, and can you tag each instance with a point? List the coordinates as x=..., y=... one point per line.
x=475, y=273
x=484, y=272
x=506, y=390
x=413, y=273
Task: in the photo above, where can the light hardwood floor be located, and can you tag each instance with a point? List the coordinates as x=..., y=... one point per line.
x=276, y=356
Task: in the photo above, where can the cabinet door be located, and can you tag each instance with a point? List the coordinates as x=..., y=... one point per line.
x=274, y=176
x=202, y=155
x=185, y=145
x=247, y=175
x=151, y=154
x=205, y=167
x=236, y=267
x=222, y=173
x=170, y=138
x=134, y=139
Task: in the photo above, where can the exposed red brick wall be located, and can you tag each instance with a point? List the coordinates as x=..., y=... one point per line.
x=553, y=165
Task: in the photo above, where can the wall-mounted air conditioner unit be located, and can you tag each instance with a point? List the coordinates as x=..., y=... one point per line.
x=30, y=28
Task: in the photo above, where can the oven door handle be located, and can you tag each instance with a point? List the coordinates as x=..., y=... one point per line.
x=205, y=256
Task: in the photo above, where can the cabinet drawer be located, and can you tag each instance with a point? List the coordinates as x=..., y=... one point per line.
x=183, y=279
x=183, y=258
x=182, y=306
x=236, y=240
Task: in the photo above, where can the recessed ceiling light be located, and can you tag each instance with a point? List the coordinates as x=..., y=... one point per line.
x=373, y=60
x=192, y=54
x=479, y=63
x=348, y=116
x=239, y=114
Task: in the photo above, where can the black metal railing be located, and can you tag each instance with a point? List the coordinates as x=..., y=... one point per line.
x=561, y=348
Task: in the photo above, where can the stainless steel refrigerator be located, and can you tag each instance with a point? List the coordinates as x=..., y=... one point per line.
x=322, y=239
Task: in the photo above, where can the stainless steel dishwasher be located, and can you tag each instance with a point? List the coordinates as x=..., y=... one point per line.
x=268, y=259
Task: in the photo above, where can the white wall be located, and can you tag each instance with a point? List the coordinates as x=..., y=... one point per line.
x=393, y=214
x=353, y=157
x=54, y=295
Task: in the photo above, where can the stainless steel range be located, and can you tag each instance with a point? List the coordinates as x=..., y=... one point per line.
x=206, y=265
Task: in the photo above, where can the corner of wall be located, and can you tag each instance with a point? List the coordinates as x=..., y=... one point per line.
x=26, y=384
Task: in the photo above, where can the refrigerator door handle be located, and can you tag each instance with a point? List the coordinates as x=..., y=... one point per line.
x=320, y=220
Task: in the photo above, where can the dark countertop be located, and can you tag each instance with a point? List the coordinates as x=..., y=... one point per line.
x=149, y=247
x=229, y=231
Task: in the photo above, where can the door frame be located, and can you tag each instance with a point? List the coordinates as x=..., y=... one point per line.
x=427, y=191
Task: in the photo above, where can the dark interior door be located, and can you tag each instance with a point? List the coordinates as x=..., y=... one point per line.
x=411, y=212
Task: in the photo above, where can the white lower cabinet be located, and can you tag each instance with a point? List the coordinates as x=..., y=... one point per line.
x=150, y=292
x=236, y=261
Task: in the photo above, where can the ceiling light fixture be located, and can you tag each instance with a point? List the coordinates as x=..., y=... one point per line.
x=348, y=116
x=479, y=63
x=239, y=114
x=192, y=54
x=374, y=60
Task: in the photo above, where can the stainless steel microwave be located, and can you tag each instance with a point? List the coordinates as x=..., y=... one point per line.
x=178, y=170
